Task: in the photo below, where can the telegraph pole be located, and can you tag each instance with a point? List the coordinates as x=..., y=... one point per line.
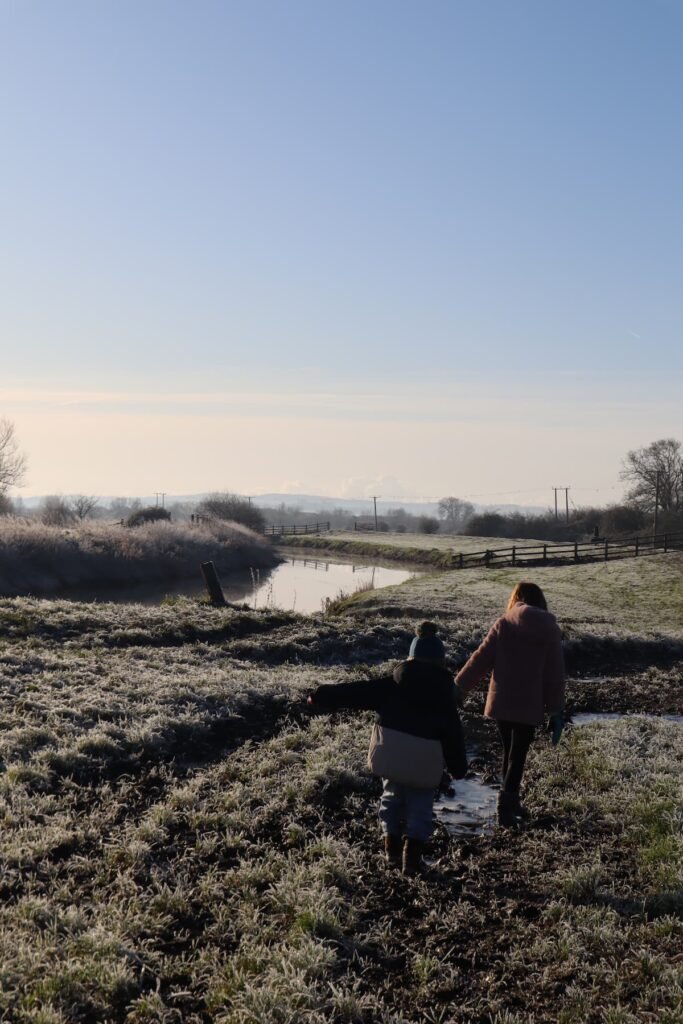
x=566, y=502
x=374, y=498
x=654, y=528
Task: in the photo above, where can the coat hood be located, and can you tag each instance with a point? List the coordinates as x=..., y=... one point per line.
x=535, y=622
x=423, y=683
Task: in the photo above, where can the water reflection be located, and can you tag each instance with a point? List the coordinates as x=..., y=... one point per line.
x=297, y=584
x=304, y=584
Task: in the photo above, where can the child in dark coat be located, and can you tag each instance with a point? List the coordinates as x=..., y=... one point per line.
x=417, y=732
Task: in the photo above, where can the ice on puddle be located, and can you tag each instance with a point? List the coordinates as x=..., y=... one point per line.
x=471, y=810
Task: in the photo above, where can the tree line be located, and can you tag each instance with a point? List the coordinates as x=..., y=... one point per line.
x=653, y=474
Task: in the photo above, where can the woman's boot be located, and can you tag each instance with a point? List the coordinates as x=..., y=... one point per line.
x=519, y=808
x=412, y=856
x=393, y=850
x=506, y=809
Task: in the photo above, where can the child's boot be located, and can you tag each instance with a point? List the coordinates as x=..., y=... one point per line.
x=393, y=850
x=506, y=809
x=412, y=856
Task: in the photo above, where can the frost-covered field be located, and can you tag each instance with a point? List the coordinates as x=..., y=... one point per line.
x=629, y=597
x=413, y=548
x=37, y=559
x=182, y=842
x=441, y=542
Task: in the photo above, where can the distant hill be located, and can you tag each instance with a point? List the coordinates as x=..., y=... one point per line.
x=359, y=506
x=313, y=503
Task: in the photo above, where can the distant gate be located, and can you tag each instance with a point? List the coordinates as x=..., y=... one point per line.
x=296, y=531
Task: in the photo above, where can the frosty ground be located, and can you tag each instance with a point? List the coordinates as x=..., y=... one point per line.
x=181, y=841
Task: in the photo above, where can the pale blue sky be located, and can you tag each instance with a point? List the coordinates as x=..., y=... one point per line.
x=292, y=199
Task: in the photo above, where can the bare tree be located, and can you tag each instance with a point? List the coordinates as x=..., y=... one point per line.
x=83, y=505
x=55, y=511
x=454, y=513
x=655, y=469
x=12, y=460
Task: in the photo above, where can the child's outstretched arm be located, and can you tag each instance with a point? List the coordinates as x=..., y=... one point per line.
x=366, y=695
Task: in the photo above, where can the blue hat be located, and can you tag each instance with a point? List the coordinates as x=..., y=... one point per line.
x=427, y=647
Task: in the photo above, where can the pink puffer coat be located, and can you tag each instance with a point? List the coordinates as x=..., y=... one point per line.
x=523, y=653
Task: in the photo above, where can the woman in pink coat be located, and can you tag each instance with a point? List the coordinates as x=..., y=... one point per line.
x=522, y=654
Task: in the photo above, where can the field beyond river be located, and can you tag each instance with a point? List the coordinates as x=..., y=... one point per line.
x=183, y=842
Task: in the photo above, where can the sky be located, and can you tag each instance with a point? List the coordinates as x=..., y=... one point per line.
x=340, y=248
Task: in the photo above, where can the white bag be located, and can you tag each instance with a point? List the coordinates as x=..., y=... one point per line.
x=408, y=760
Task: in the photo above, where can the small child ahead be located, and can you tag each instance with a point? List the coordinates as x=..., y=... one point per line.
x=416, y=732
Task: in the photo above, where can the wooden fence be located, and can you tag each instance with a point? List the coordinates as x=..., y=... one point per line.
x=296, y=531
x=574, y=552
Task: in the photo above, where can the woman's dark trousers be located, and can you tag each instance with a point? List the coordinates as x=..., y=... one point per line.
x=517, y=738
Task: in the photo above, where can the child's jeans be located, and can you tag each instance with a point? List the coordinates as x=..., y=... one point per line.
x=406, y=811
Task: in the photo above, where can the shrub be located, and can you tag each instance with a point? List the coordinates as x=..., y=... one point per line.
x=152, y=514
x=427, y=524
x=487, y=524
x=231, y=508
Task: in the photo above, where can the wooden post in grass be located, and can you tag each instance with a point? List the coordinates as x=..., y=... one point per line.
x=576, y=551
x=606, y=550
x=514, y=555
x=213, y=584
x=637, y=546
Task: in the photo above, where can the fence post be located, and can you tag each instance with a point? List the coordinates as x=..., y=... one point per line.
x=666, y=542
x=637, y=546
x=461, y=561
x=213, y=584
x=514, y=555
x=545, y=553
x=487, y=558
x=606, y=550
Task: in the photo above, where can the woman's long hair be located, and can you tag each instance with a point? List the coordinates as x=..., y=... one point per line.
x=527, y=593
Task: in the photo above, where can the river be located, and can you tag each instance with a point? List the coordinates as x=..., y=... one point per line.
x=297, y=584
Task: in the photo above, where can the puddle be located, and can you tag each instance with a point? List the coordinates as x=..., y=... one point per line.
x=591, y=717
x=471, y=811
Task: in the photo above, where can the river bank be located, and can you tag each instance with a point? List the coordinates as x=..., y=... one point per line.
x=39, y=560
x=410, y=549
